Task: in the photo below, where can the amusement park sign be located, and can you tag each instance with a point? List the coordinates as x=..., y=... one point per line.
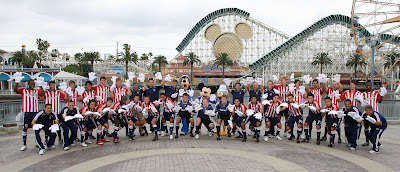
x=211, y=68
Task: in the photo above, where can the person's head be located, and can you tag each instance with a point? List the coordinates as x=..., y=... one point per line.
x=224, y=99
x=103, y=80
x=136, y=98
x=253, y=99
x=146, y=99
x=88, y=85
x=334, y=85
x=352, y=86
x=204, y=102
x=328, y=101
x=47, y=108
x=291, y=98
x=52, y=85
x=71, y=105
x=135, y=85
x=71, y=84
x=276, y=98
x=310, y=98
x=123, y=100
x=297, y=83
x=185, y=97
x=284, y=80
x=368, y=86
x=237, y=101
x=118, y=82
x=162, y=96
x=255, y=86
x=237, y=86
x=92, y=104
x=109, y=101
x=270, y=85
x=347, y=104
x=31, y=84
x=369, y=110
x=151, y=82
x=315, y=83
x=174, y=83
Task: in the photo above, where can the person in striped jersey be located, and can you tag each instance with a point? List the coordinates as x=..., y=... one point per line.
x=119, y=91
x=299, y=94
x=238, y=115
x=254, y=122
x=334, y=93
x=53, y=97
x=73, y=94
x=350, y=94
x=378, y=125
x=29, y=107
x=333, y=120
x=313, y=115
x=89, y=94
x=118, y=117
x=86, y=124
x=295, y=117
x=317, y=92
x=373, y=97
x=152, y=117
x=168, y=114
x=102, y=90
x=283, y=93
x=272, y=118
x=106, y=111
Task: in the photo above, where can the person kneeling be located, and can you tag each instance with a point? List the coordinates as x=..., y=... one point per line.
x=47, y=121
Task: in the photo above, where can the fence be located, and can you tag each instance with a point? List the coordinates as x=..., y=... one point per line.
x=10, y=112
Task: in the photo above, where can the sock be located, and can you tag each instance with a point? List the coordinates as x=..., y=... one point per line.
x=171, y=128
x=240, y=133
x=86, y=136
x=278, y=131
x=309, y=131
x=90, y=133
x=59, y=134
x=306, y=132
x=289, y=131
x=338, y=132
x=83, y=136
x=318, y=134
x=299, y=132
x=244, y=134
x=98, y=135
x=116, y=129
x=197, y=129
x=285, y=125
x=366, y=131
x=177, y=129
x=191, y=129
x=258, y=132
x=333, y=136
x=126, y=128
x=155, y=130
x=144, y=129
x=164, y=126
x=105, y=132
x=266, y=132
x=218, y=129
x=229, y=130
x=130, y=129
x=326, y=131
x=24, y=134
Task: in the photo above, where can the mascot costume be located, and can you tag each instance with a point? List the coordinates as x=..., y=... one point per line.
x=185, y=88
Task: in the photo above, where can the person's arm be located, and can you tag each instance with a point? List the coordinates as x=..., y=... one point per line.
x=129, y=92
x=144, y=87
x=262, y=109
x=63, y=96
x=229, y=89
x=340, y=87
x=64, y=114
x=342, y=98
x=112, y=94
x=380, y=98
x=247, y=87
x=162, y=82
x=307, y=88
x=16, y=88
x=324, y=87
x=41, y=91
x=33, y=122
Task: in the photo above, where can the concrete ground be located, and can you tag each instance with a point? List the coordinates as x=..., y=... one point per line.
x=204, y=154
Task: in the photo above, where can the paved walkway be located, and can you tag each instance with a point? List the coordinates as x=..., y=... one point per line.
x=205, y=154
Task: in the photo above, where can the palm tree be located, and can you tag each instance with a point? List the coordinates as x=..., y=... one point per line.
x=42, y=46
x=159, y=61
x=355, y=61
x=91, y=57
x=128, y=56
x=390, y=60
x=18, y=57
x=321, y=59
x=146, y=56
x=54, y=53
x=223, y=60
x=79, y=58
x=191, y=59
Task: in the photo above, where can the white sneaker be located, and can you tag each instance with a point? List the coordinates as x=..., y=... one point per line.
x=41, y=151
x=66, y=148
x=373, y=152
x=251, y=133
x=351, y=148
x=162, y=133
x=302, y=136
x=285, y=134
x=266, y=138
x=171, y=137
x=83, y=144
x=52, y=147
x=196, y=136
x=73, y=145
x=278, y=137
x=23, y=148
x=88, y=141
x=210, y=133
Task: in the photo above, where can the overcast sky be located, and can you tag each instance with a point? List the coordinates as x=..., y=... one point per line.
x=157, y=26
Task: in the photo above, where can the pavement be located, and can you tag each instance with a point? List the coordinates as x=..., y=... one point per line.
x=204, y=154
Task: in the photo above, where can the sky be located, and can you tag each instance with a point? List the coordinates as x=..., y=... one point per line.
x=156, y=26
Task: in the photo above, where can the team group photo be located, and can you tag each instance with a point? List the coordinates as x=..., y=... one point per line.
x=234, y=94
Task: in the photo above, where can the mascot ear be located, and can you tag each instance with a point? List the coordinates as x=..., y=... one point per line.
x=200, y=86
x=214, y=89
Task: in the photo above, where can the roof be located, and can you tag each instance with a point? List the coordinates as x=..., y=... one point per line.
x=66, y=75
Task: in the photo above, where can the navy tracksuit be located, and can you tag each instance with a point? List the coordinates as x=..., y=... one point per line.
x=69, y=125
x=376, y=131
x=46, y=120
x=352, y=127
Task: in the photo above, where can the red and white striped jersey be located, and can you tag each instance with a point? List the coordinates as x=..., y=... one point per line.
x=164, y=103
x=86, y=109
x=283, y=91
x=271, y=110
x=294, y=111
x=53, y=98
x=298, y=97
x=29, y=99
x=335, y=101
x=118, y=105
x=150, y=105
x=74, y=97
x=331, y=108
x=240, y=108
x=118, y=93
x=372, y=97
x=350, y=95
x=91, y=94
x=102, y=91
x=256, y=107
x=315, y=104
x=317, y=94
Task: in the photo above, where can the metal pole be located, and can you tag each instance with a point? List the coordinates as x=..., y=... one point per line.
x=372, y=66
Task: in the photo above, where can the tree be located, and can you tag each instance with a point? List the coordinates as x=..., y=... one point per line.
x=18, y=57
x=54, y=53
x=42, y=46
x=390, y=60
x=223, y=60
x=191, y=59
x=159, y=61
x=91, y=57
x=146, y=56
x=128, y=56
x=73, y=68
x=355, y=61
x=321, y=59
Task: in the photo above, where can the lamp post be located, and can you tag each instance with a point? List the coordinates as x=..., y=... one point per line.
x=374, y=41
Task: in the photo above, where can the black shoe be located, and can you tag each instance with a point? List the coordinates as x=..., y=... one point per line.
x=239, y=136
x=365, y=144
x=330, y=145
x=254, y=136
x=323, y=138
x=339, y=141
x=229, y=134
x=298, y=140
x=218, y=138
x=155, y=138
x=131, y=138
x=92, y=137
x=244, y=140
x=318, y=142
x=257, y=140
x=142, y=134
x=307, y=140
x=191, y=135
x=176, y=136
x=291, y=138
